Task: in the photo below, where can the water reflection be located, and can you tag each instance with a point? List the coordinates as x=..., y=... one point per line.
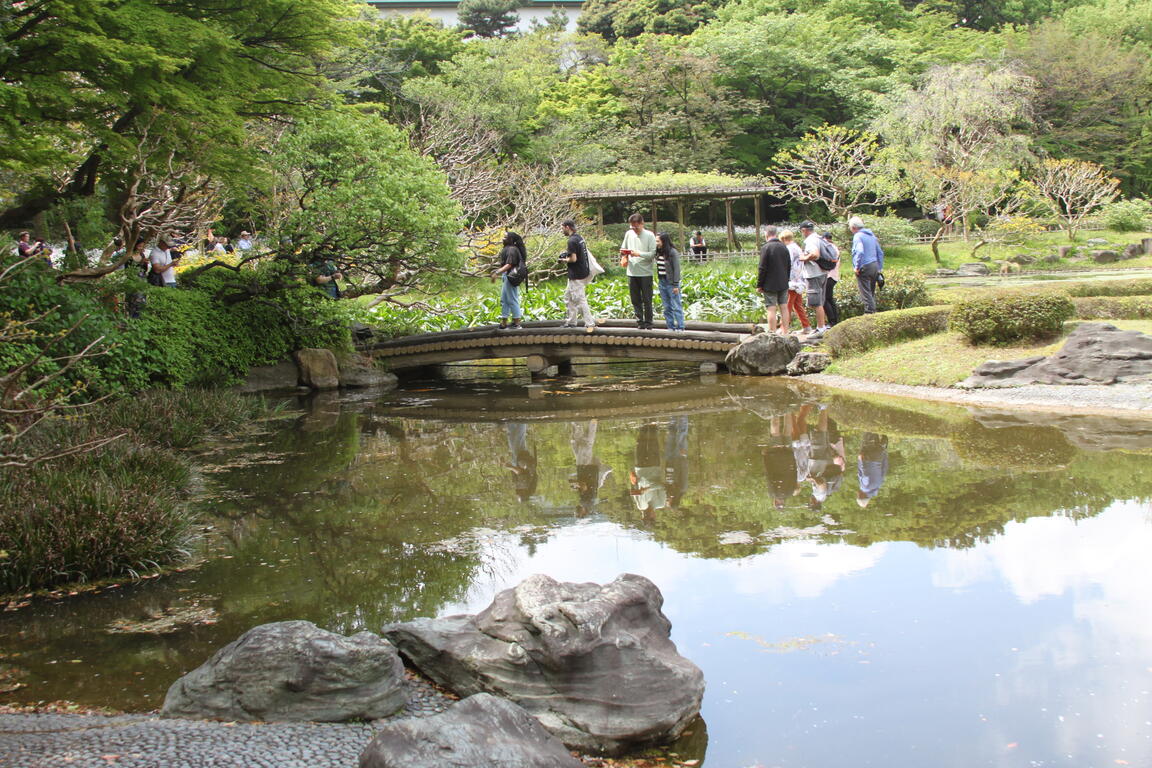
x=974, y=570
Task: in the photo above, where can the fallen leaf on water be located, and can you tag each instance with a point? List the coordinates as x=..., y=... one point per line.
x=1012, y=745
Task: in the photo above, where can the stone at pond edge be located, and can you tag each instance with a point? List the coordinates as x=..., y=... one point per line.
x=262, y=378
x=1104, y=257
x=808, y=362
x=318, y=368
x=1094, y=353
x=481, y=730
x=593, y=664
x=293, y=670
x=972, y=270
x=360, y=371
x=765, y=354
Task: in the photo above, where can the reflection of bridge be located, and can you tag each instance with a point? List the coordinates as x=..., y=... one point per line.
x=548, y=347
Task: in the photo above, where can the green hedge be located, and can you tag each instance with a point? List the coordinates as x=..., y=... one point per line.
x=902, y=289
x=1113, y=307
x=1111, y=288
x=860, y=334
x=1003, y=319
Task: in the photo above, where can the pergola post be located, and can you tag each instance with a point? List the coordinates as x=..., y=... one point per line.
x=756, y=208
x=728, y=220
x=600, y=220
x=683, y=225
x=655, y=216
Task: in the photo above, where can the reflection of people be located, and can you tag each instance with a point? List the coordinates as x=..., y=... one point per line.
x=647, y=477
x=676, y=460
x=780, y=461
x=590, y=473
x=871, y=466
x=522, y=460
x=826, y=466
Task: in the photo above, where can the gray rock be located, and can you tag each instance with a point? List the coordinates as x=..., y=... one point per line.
x=264, y=378
x=1104, y=257
x=1133, y=251
x=594, y=664
x=318, y=368
x=1023, y=258
x=808, y=362
x=1097, y=241
x=1065, y=251
x=764, y=354
x=941, y=272
x=293, y=670
x=972, y=270
x=1095, y=353
x=360, y=371
x=481, y=730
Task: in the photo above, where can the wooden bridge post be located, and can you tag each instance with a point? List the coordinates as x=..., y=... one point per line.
x=655, y=217
x=600, y=220
x=684, y=229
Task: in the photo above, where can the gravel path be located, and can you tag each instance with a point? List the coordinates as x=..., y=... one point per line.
x=150, y=741
x=1113, y=399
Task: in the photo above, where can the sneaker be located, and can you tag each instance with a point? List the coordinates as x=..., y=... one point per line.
x=567, y=324
x=516, y=323
x=503, y=323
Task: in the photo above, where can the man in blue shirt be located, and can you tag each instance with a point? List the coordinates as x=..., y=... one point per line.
x=867, y=261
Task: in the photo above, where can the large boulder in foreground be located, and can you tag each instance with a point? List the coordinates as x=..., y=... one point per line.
x=481, y=730
x=594, y=664
x=765, y=354
x=1095, y=353
x=293, y=670
x=808, y=362
x=318, y=368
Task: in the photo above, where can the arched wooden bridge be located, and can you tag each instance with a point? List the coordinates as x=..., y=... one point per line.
x=545, y=344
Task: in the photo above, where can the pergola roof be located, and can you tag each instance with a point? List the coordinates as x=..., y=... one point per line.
x=670, y=194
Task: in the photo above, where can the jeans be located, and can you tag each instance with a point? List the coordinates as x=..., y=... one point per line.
x=866, y=285
x=670, y=304
x=640, y=291
x=509, y=299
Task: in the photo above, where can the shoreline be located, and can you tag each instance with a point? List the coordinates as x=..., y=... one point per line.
x=1088, y=399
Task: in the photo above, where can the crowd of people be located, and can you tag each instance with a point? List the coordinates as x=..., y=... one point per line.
x=797, y=280
x=804, y=452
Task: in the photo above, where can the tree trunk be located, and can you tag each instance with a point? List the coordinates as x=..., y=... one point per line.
x=936, y=244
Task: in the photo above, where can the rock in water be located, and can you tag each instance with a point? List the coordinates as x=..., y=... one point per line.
x=293, y=670
x=318, y=368
x=764, y=354
x=974, y=269
x=593, y=664
x=808, y=362
x=481, y=730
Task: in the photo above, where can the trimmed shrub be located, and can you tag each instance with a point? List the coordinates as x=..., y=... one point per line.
x=1111, y=288
x=1113, y=307
x=1133, y=215
x=902, y=289
x=889, y=230
x=860, y=334
x=1004, y=319
x=925, y=227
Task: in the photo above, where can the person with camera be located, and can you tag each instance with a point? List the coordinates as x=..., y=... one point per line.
x=575, y=257
x=638, y=253
x=163, y=265
x=30, y=250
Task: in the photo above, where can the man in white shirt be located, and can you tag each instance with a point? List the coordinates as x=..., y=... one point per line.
x=163, y=264
x=813, y=275
x=245, y=241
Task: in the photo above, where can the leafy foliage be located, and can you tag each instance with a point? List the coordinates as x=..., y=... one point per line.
x=489, y=18
x=881, y=329
x=1004, y=319
x=1113, y=307
x=1132, y=215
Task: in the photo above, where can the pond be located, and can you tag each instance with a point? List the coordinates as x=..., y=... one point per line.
x=864, y=582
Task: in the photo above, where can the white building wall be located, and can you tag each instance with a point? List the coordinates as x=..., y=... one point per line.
x=450, y=19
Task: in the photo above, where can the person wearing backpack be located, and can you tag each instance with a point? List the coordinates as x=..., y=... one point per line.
x=513, y=271
x=831, y=309
x=668, y=276
x=814, y=276
x=577, y=260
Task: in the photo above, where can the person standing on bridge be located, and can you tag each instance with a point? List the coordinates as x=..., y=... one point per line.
x=668, y=273
x=579, y=274
x=637, y=253
x=513, y=270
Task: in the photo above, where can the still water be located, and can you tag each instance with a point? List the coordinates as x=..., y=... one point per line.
x=863, y=582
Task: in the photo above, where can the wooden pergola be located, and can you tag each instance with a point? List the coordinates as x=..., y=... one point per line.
x=680, y=197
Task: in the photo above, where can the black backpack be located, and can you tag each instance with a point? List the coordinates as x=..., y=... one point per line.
x=827, y=259
x=519, y=273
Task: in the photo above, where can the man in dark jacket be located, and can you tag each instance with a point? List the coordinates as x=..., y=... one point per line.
x=772, y=279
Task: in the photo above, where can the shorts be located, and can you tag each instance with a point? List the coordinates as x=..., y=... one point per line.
x=816, y=290
x=776, y=298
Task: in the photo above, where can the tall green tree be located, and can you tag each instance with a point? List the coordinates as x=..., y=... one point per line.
x=82, y=81
x=616, y=19
x=489, y=18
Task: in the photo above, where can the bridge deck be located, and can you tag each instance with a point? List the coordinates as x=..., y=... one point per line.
x=548, y=340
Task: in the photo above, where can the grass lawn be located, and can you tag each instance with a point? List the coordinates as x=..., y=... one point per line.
x=944, y=359
x=919, y=256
